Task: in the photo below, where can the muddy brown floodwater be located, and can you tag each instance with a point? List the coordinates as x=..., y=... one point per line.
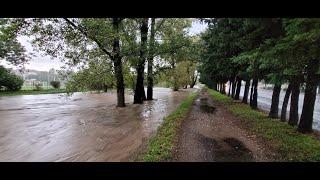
x=83, y=127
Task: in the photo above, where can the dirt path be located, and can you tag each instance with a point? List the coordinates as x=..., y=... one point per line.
x=210, y=133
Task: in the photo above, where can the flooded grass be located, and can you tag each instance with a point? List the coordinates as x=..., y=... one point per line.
x=291, y=145
x=32, y=92
x=160, y=146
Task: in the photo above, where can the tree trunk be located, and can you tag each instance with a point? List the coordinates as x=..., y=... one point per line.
x=213, y=86
x=118, y=64
x=251, y=93
x=236, y=97
x=274, y=109
x=223, y=88
x=229, y=90
x=294, y=103
x=306, y=118
x=139, y=94
x=175, y=78
x=285, y=104
x=254, y=101
x=150, y=61
x=105, y=88
x=143, y=93
x=194, y=80
x=233, y=87
x=246, y=92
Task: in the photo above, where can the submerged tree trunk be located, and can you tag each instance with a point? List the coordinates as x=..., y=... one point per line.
x=118, y=64
x=285, y=104
x=105, y=88
x=254, y=102
x=139, y=94
x=150, y=61
x=306, y=118
x=246, y=92
x=236, y=97
x=294, y=103
x=274, y=109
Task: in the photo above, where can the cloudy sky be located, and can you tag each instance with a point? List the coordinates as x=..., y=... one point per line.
x=44, y=63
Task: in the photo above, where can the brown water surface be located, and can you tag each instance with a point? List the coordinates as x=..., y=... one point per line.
x=83, y=127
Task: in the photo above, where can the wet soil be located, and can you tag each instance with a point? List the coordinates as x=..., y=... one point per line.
x=211, y=133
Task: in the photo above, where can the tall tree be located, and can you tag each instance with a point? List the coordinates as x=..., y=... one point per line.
x=283, y=117
x=174, y=45
x=150, y=60
x=139, y=94
x=274, y=109
x=76, y=39
x=294, y=103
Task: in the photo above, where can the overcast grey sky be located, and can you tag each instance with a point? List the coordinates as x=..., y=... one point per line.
x=44, y=63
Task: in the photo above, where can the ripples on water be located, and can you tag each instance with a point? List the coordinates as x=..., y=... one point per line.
x=81, y=127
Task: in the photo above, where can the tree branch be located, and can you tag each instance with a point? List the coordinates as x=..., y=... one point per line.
x=87, y=35
x=159, y=25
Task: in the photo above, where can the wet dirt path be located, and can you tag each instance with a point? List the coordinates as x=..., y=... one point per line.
x=210, y=133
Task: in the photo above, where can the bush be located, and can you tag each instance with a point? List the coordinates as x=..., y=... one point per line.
x=55, y=84
x=38, y=87
x=10, y=81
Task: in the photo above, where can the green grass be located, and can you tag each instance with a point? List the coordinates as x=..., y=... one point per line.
x=285, y=139
x=31, y=92
x=160, y=146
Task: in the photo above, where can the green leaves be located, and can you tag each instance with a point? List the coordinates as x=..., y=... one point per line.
x=10, y=48
x=9, y=81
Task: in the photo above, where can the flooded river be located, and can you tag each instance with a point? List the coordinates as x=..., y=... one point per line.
x=83, y=127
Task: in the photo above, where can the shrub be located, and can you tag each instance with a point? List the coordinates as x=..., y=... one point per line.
x=38, y=87
x=10, y=81
x=55, y=84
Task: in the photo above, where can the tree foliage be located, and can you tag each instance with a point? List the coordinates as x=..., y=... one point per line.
x=9, y=81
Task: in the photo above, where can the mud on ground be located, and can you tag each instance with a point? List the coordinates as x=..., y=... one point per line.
x=211, y=133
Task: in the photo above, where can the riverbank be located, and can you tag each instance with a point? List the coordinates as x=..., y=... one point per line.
x=32, y=92
x=161, y=145
x=279, y=136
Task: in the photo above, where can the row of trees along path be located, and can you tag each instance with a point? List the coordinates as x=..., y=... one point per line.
x=276, y=50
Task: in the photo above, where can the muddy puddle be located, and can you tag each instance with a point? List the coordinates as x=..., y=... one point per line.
x=205, y=107
x=83, y=127
x=225, y=150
